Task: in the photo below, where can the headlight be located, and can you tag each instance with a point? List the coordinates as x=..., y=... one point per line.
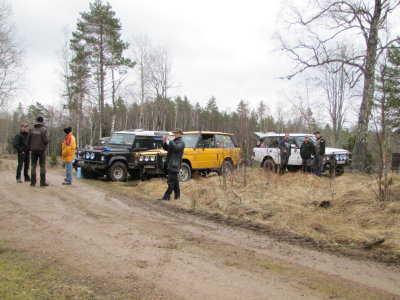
x=164, y=159
x=87, y=156
x=92, y=156
x=141, y=158
x=102, y=158
x=146, y=158
x=152, y=158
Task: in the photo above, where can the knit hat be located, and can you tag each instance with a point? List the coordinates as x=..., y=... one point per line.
x=39, y=119
x=67, y=130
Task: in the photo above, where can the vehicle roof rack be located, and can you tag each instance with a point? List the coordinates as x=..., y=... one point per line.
x=136, y=130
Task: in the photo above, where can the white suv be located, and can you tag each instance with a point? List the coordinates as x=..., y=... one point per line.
x=268, y=154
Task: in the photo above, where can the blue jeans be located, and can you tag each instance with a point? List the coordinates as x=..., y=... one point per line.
x=68, y=171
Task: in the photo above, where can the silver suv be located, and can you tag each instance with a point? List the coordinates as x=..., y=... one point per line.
x=268, y=154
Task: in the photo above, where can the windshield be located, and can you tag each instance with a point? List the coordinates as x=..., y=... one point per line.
x=190, y=140
x=121, y=139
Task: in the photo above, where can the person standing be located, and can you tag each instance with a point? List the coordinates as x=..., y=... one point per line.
x=21, y=141
x=307, y=149
x=68, y=154
x=286, y=149
x=38, y=140
x=175, y=150
x=319, y=153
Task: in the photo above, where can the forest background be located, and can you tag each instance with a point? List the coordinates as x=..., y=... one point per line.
x=109, y=84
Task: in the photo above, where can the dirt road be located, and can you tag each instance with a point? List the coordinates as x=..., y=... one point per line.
x=150, y=251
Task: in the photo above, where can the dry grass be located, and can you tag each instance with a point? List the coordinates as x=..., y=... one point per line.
x=291, y=202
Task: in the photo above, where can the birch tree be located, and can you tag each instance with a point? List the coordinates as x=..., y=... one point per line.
x=10, y=56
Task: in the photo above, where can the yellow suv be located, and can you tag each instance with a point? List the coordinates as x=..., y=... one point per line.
x=205, y=151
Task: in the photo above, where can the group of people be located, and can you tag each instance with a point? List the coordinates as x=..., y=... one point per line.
x=31, y=145
x=311, y=155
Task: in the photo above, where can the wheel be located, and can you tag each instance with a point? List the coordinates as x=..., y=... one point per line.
x=226, y=168
x=339, y=170
x=293, y=168
x=269, y=165
x=88, y=174
x=117, y=172
x=135, y=174
x=185, y=173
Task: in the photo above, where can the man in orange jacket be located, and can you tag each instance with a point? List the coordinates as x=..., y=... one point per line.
x=68, y=154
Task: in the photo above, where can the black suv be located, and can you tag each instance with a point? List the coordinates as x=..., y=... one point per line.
x=120, y=156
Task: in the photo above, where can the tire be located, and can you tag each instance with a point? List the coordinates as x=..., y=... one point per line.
x=88, y=174
x=185, y=173
x=339, y=170
x=293, y=168
x=117, y=172
x=269, y=165
x=135, y=174
x=226, y=168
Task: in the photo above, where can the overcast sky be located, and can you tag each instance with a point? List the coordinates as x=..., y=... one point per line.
x=219, y=48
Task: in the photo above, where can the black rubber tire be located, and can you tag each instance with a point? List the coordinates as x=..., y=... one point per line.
x=339, y=170
x=117, y=172
x=88, y=174
x=185, y=173
x=269, y=166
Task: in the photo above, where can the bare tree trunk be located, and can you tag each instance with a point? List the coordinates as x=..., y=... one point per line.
x=360, y=147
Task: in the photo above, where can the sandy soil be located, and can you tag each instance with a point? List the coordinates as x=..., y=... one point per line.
x=150, y=251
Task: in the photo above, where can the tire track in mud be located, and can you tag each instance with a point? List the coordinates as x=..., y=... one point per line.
x=204, y=255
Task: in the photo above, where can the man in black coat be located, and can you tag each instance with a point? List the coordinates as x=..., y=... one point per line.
x=21, y=141
x=175, y=150
x=286, y=150
x=38, y=140
x=319, y=153
x=307, y=149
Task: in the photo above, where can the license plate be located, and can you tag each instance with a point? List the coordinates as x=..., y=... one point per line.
x=149, y=166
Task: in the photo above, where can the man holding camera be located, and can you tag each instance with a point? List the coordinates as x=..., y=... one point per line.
x=175, y=150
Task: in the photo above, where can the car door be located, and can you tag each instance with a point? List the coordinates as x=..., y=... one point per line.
x=207, y=153
x=295, y=158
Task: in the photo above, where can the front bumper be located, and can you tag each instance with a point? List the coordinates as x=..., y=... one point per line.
x=90, y=164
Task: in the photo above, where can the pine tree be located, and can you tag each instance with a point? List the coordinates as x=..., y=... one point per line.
x=98, y=38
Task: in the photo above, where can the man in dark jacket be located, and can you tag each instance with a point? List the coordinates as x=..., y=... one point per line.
x=307, y=149
x=175, y=150
x=286, y=149
x=38, y=140
x=319, y=153
x=21, y=145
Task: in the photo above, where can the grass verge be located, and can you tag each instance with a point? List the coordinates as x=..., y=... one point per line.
x=353, y=223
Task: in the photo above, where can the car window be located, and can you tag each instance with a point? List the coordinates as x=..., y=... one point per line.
x=271, y=142
x=299, y=140
x=223, y=141
x=292, y=141
x=190, y=140
x=206, y=141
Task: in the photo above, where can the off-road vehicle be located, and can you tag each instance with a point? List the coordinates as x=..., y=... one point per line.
x=268, y=154
x=117, y=159
x=205, y=151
